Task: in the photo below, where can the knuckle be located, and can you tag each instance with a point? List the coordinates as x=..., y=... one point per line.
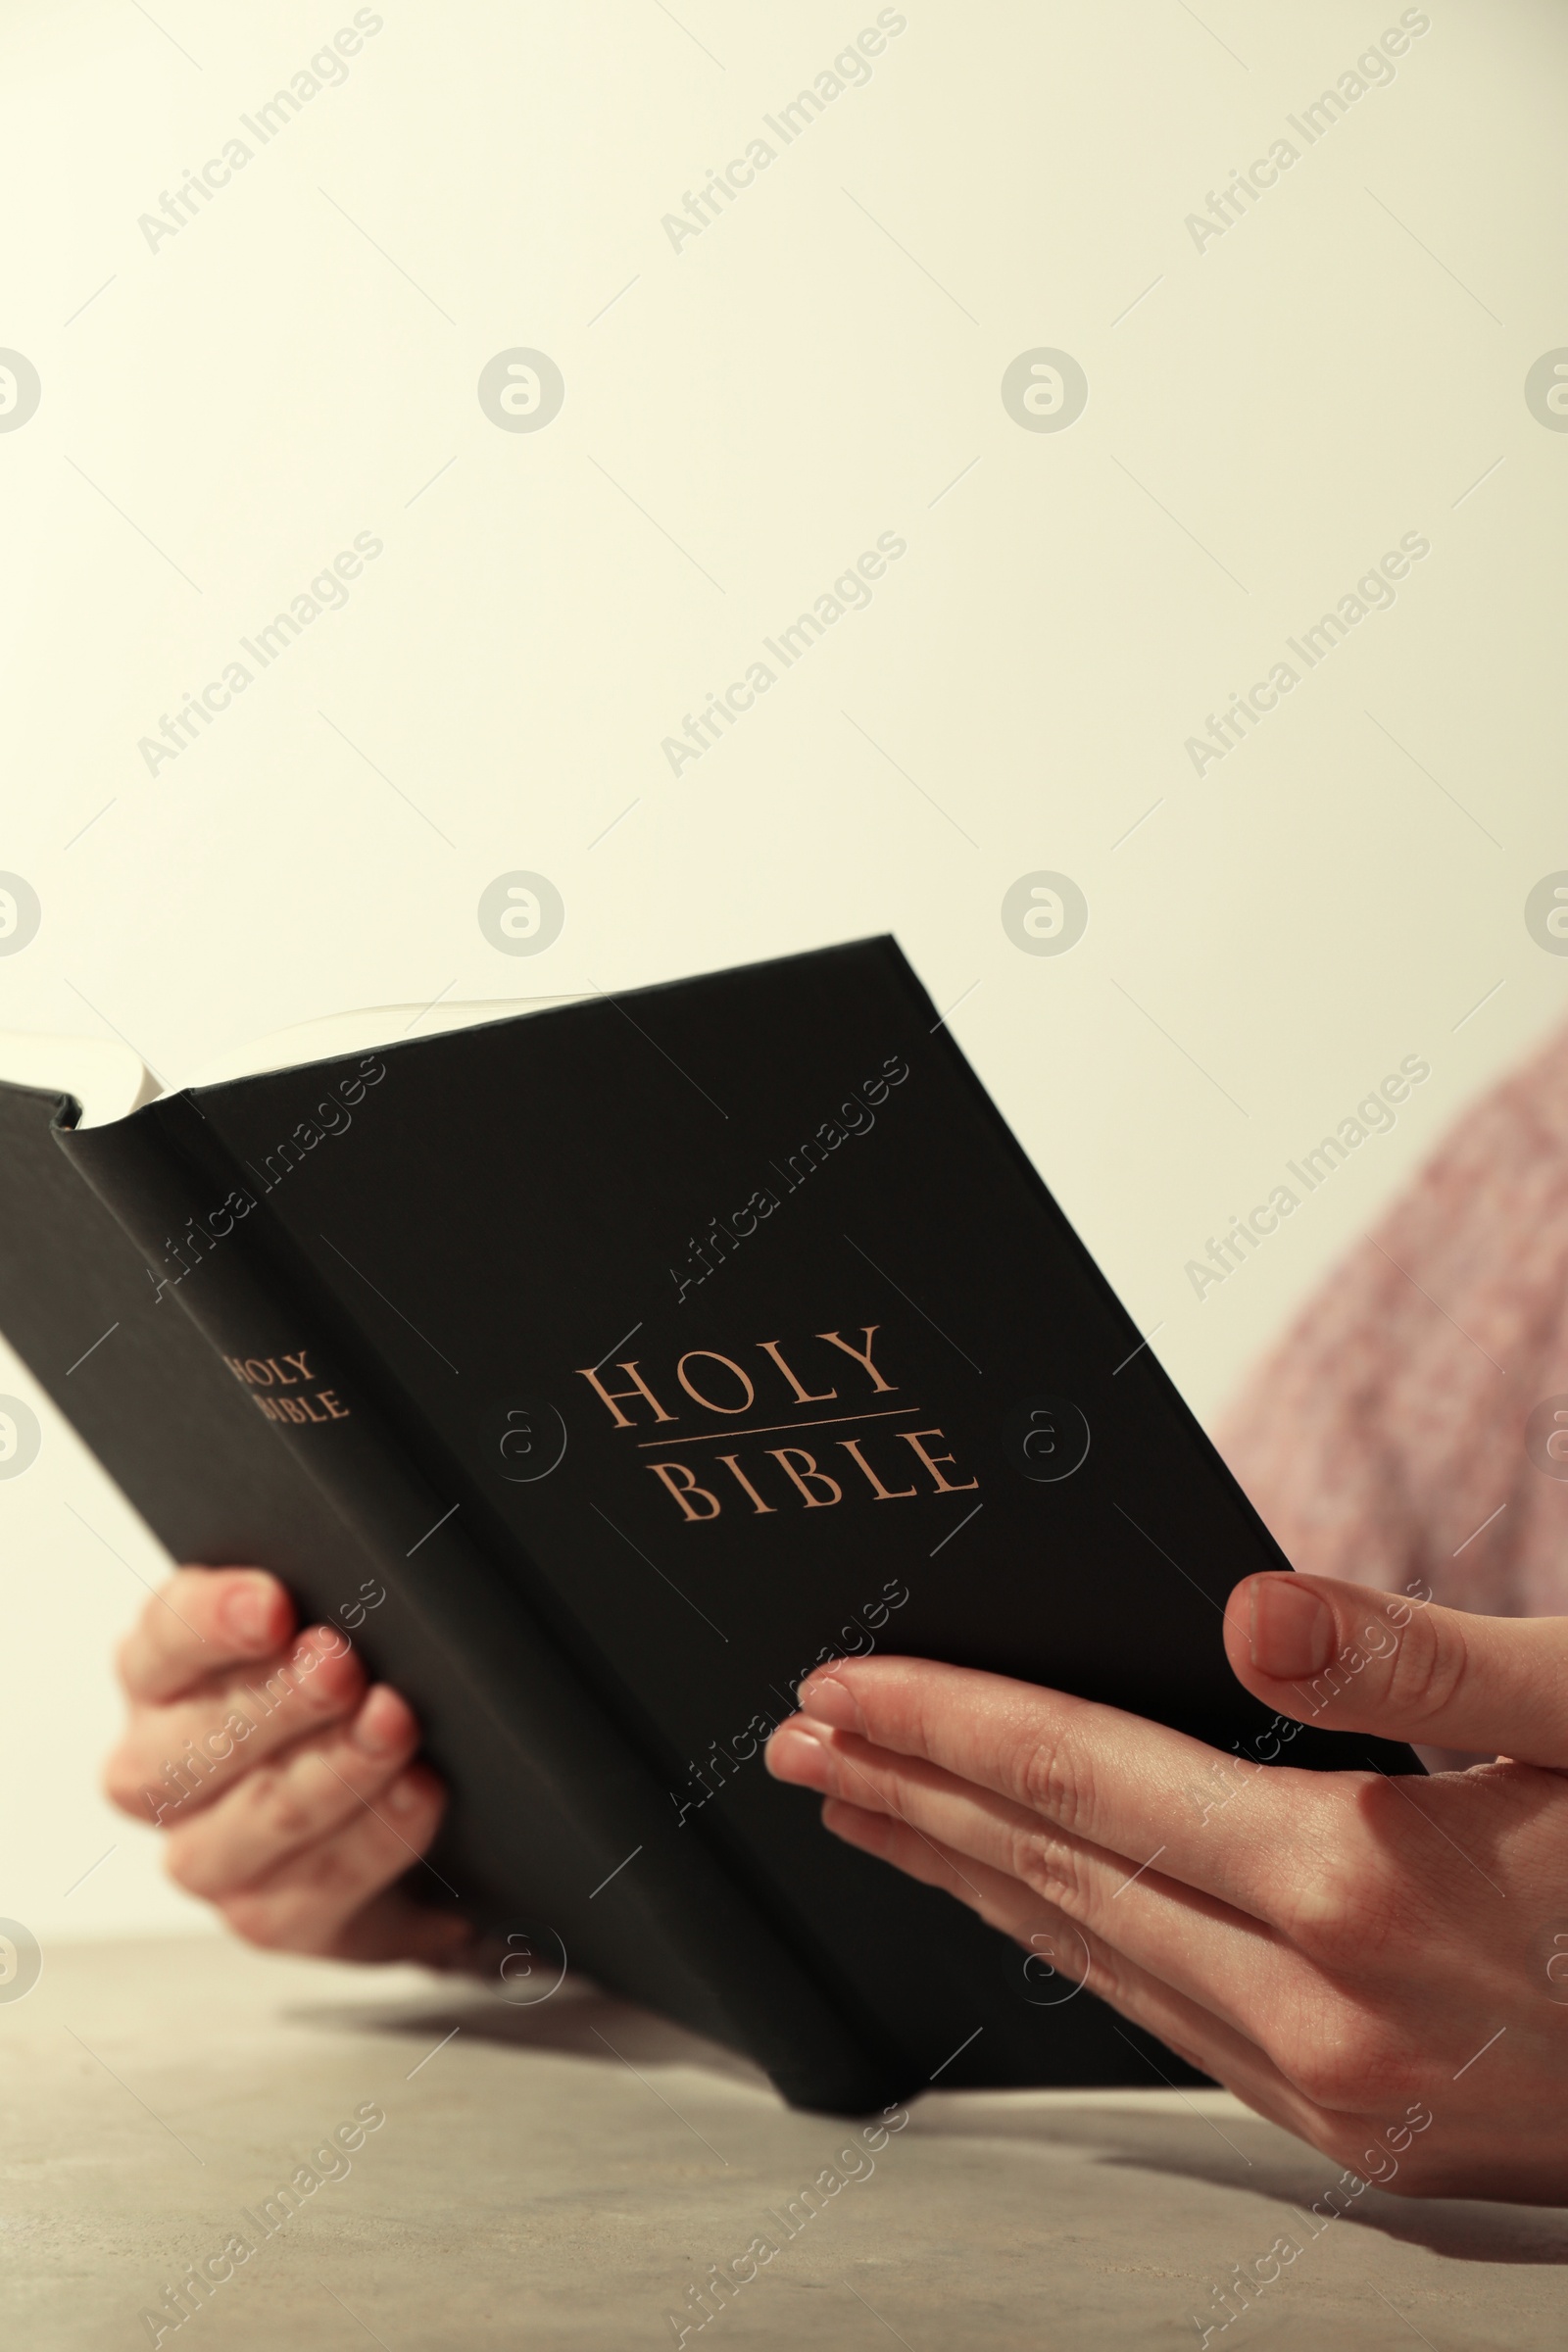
x=1347, y=1906
x=1350, y=2066
x=1052, y=1867
x=163, y=1619
x=418, y=1801
x=1057, y=1780
x=122, y=1784
x=1108, y=1978
x=324, y=1682
x=289, y=1815
x=867, y=1782
x=266, y=1698
x=256, y=1918
x=1428, y=1670
x=1321, y=1909
x=183, y=1863
x=1326, y=2072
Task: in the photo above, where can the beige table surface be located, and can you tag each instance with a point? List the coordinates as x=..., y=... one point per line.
x=558, y=2174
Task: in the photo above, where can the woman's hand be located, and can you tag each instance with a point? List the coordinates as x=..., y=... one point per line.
x=1380, y=1965
x=288, y=1790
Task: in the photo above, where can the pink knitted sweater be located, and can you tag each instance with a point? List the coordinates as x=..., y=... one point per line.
x=1407, y=1426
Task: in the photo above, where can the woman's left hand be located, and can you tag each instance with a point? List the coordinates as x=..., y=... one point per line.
x=1380, y=1965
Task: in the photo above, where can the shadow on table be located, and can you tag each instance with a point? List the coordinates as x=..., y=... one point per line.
x=580, y=2022
x=575, y=2022
x=1267, y=2162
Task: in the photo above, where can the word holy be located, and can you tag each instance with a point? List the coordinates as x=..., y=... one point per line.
x=326, y=68
x=1372, y=593
x=721, y=2284
x=762, y=1725
x=332, y=1117
x=816, y=1486
x=1372, y=69
x=851, y=68
x=1247, y=2281
x=1372, y=1116
x=856, y=1119
x=849, y=592
x=326, y=592
x=330, y=2162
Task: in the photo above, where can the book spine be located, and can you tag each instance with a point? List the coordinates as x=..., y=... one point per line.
x=560, y=1796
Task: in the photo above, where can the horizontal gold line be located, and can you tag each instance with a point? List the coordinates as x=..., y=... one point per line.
x=769, y=1428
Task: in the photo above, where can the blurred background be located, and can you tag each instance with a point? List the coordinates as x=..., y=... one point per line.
x=466, y=284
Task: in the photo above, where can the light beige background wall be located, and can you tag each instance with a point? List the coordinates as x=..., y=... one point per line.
x=223, y=409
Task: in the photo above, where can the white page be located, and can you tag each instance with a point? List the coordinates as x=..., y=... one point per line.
x=109, y=1080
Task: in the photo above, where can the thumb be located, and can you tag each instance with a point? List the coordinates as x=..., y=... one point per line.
x=1352, y=1659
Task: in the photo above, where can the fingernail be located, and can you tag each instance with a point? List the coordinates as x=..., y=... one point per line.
x=794, y=1752
x=248, y=1614
x=381, y=1724
x=830, y=1701
x=402, y=1796
x=1291, y=1629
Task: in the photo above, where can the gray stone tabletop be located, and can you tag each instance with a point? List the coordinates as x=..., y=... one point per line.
x=569, y=2172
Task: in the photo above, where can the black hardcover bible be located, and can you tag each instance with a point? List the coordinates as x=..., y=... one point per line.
x=604, y=1368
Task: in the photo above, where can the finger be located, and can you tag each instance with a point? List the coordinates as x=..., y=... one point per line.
x=204, y=1619
x=395, y=1926
x=1358, y=1660
x=181, y=1758
x=306, y=1904
x=309, y=1791
x=1227, y=1962
x=1139, y=1995
x=1120, y=1782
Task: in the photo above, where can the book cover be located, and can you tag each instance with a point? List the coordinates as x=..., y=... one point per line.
x=639, y=1354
